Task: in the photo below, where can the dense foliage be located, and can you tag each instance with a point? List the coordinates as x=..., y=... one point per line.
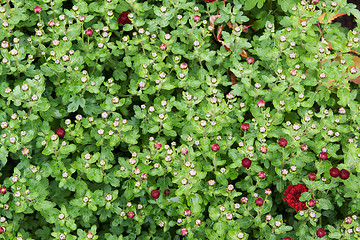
x=178, y=119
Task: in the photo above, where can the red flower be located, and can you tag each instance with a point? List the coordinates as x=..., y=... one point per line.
x=245, y=126
x=311, y=202
x=215, y=147
x=282, y=142
x=123, y=18
x=246, y=162
x=292, y=195
x=89, y=32
x=3, y=190
x=157, y=145
x=344, y=174
x=210, y=0
x=287, y=238
x=304, y=147
x=312, y=176
x=320, y=232
x=155, y=194
x=60, y=132
x=323, y=155
x=259, y=201
x=334, y=172
x=131, y=214
x=37, y=9
x=167, y=192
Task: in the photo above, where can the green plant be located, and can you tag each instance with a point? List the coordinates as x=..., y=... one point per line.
x=166, y=119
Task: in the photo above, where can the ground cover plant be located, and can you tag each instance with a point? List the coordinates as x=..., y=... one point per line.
x=179, y=119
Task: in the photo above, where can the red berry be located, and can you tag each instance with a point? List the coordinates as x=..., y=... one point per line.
x=261, y=175
x=259, y=201
x=311, y=202
x=184, y=231
x=246, y=162
x=245, y=126
x=163, y=47
x=167, y=192
x=282, y=142
x=157, y=145
x=60, y=132
x=334, y=172
x=215, y=147
x=287, y=238
x=37, y=9
x=323, y=155
x=89, y=32
x=250, y=60
x=3, y=190
x=196, y=18
x=304, y=147
x=155, y=194
x=261, y=103
x=312, y=176
x=184, y=150
x=131, y=214
x=320, y=232
x=344, y=174
x=123, y=18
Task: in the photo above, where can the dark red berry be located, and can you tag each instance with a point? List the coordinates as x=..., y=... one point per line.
x=320, y=232
x=259, y=201
x=250, y=60
x=131, y=214
x=89, y=32
x=157, y=145
x=215, y=147
x=261, y=103
x=123, y=18
x=344, y=174
x=60, y=132
x=3, y=190
x=304, y=147
x=261, y=175
x=311, y=202
x=334, y=172
x=246, y=162
x=155, y=194
x=245, y=126
x=323, y=155
x=282, y=142
x=37, y=9
x=167, y=192
x=312, y=176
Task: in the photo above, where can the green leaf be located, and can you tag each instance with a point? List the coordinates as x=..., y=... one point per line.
x=76, y=101
x=73, y=31
x=325, y=204
x=195, y=201
x=305, y=196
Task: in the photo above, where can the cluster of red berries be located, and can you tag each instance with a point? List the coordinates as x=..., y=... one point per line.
x=155, y=194
x=343, y=173
x=292, y=195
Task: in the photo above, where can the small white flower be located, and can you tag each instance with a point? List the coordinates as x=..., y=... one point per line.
x=163, y=9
